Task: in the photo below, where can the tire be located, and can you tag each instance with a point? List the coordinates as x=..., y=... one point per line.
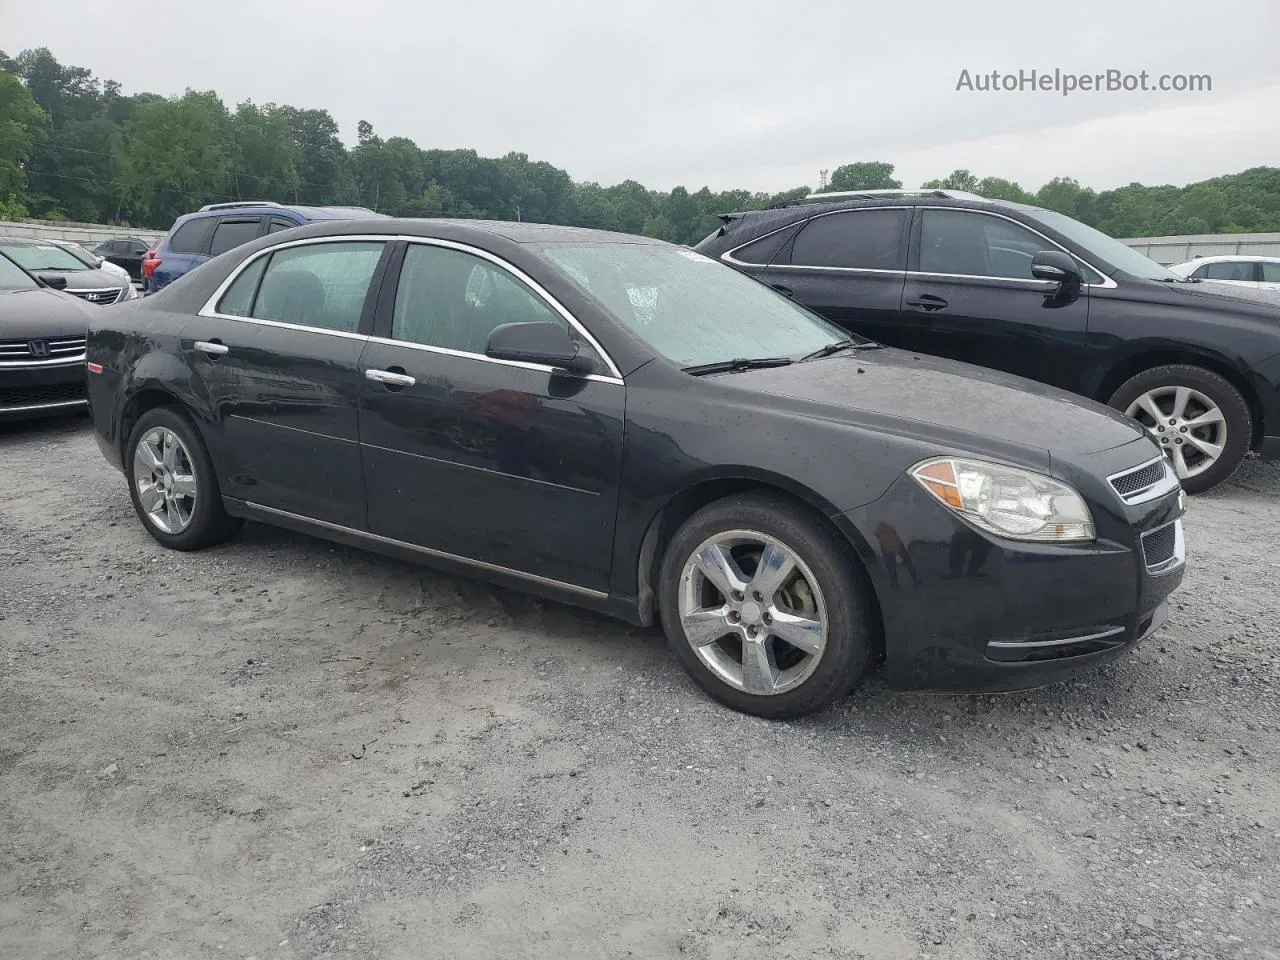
x=195, y=521
x=787, y=681
x=1160, y=390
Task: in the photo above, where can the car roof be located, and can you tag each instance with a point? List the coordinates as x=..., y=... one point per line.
x=457, y=228
x=792, y=212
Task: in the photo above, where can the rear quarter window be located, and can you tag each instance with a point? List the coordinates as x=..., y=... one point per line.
x=192, y=236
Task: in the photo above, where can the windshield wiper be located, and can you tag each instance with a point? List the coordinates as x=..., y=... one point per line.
x=735, y=366
x=839, y=345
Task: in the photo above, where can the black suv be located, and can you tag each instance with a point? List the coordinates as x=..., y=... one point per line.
x=1034, y=293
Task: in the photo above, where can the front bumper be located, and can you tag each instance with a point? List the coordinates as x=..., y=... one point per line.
x=965, y=611
x=39, y=390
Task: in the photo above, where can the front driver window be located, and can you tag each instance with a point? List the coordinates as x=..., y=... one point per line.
x=451, y=299
x=1228, y=270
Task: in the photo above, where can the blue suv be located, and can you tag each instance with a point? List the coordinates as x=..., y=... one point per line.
x=218, y=227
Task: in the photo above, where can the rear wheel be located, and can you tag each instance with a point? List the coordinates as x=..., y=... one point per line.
x=172, y=483
x=765, y=608
x=1200, y=420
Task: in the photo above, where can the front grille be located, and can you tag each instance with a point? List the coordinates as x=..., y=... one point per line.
x=25, y=351
x=1159, y=545
x=38, y=396
x=1135, y=481
x=103, y=297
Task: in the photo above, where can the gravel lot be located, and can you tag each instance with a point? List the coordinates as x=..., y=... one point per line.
x=283, y=748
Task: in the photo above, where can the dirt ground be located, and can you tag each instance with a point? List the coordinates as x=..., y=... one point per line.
x=285, y=749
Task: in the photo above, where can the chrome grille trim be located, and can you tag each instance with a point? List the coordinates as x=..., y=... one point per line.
x=1159, y=556
x=1140, y=484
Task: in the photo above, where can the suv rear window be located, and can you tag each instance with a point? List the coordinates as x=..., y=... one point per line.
x=192, y=236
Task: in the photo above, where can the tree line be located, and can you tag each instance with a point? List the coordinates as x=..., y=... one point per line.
x=75, y=147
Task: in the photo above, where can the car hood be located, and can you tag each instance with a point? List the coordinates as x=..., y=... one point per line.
x=950, y=401
x=1233, y=297
x=28, y=314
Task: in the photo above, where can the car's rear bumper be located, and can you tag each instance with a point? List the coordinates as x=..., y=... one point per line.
x=965, y=611
x=42, y=390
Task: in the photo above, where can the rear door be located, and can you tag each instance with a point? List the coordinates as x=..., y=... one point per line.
x=1270, y=273
x=502, y=463
x=232, y=231
x=970, y=296
x=183, y=250
x=278, y=356
x=849, y=266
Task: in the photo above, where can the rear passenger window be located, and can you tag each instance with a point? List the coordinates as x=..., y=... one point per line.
x=192, y=236
x=231, y=233
x=447, y=298
x=1270, y=272
x=319, y=285
x=866, y=239
x=277, y=225
x=1228, y=270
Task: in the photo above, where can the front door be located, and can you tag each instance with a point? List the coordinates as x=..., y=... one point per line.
x=279, y=358
x=970, y=296
x=508, y=464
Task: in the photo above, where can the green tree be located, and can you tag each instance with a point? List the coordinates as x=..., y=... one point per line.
x=21, y=123
x=955, y=180
x=997, y=188
x=864, y=176
x=266, y=160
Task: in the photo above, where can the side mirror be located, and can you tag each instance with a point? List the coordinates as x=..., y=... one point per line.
x=1057, y=267
x=539, y=342
x=53, y=281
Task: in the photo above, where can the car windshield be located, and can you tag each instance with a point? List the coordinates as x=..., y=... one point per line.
x=41, y=256
x=13, y=277
x=81, y=254
x=1106, y=248
x=689, y=308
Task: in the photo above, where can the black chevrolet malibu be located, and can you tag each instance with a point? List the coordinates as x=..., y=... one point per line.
x=630, y=426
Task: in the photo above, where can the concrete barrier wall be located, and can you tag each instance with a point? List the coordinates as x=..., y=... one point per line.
x=1171, y=250
x=89, y=234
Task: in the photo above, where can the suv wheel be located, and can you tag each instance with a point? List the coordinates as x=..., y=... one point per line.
x=763, y=606
x=1198, y=418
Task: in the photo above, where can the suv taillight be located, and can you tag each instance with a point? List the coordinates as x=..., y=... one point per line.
x=149, y=264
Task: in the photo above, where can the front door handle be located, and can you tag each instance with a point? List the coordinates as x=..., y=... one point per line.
x=927, y=302
x=389, y=378
x=213, y=348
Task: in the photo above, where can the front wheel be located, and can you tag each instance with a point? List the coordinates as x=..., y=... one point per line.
x=1200, y=420
x=765, y=608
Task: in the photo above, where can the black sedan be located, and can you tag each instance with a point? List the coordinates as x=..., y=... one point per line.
x=42, y=340
x=126, y=252
x=627, y=425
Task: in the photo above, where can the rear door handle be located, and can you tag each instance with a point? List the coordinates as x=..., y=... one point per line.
x=212, y=347
x=927, y=301
x=390, y=378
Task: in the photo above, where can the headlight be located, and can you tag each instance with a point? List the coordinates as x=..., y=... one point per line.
x=1012, y=503
x=130, y=292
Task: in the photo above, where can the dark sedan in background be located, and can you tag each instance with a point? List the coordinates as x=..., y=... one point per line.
x=630, y=426
x=126, y=252
x=42, y=338
x=1034, y=293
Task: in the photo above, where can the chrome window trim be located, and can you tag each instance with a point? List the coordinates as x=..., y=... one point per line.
x=466, y=355
x=1161, y=488
x=43, y=364
x=428, y=551
x=1106, y=284
x=210, y=310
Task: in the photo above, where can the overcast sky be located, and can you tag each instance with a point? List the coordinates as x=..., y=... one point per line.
x=728, y=94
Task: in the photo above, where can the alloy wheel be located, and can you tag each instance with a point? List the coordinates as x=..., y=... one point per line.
x=753, y=612
x=1189, y=427
x=165, y=480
